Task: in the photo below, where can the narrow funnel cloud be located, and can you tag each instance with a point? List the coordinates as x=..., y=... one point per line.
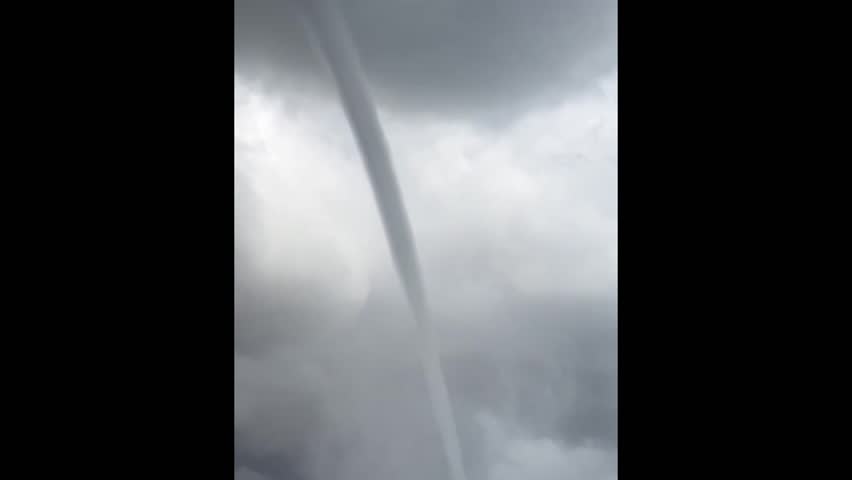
x=333, y=39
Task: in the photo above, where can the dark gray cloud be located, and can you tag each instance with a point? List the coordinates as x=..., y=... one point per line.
x=516, y=227
x=350, y=402
x=458, y=56
x=344, y=400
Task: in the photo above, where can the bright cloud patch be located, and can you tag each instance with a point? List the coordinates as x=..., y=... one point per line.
x=517, y=232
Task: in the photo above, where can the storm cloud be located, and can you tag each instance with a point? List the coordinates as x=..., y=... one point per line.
x=516, y=225
x=467, y=57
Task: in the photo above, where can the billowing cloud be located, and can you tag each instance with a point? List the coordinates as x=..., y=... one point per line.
x=517, y=228
x=502, y=119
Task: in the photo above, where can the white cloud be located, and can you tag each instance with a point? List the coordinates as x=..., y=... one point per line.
x=535, y=202
x=516, y=455
x=527, y=212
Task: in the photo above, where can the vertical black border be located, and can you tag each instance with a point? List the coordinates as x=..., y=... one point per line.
x=129, y=320
x=689, y=172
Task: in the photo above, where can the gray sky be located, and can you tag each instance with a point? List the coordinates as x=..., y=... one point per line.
x=516, y=222
x=461, y=56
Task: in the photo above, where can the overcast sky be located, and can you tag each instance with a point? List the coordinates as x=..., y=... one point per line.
x=502, y=119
